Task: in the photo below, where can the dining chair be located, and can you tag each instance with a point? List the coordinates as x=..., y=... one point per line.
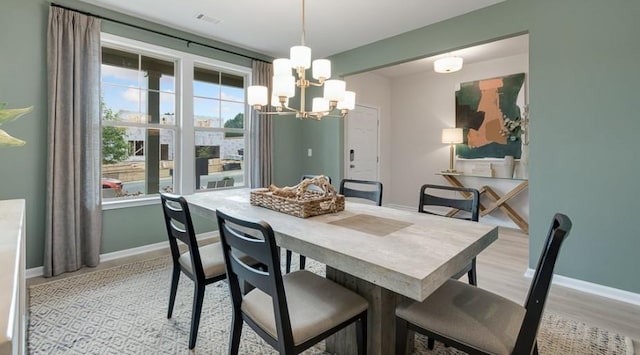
x=289, y=253
x=291, y=312
x=431, y=195
x=477, y=321
x=204, y=265
x=364, y=189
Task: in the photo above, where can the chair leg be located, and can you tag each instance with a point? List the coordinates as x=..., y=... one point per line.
x=401, y=336
x=361, y=334
x=303, y=261
x=198, y=297
x=431, y=343
x=473, y=276
x=288, y=267
x=175, y=277
x=236, y=332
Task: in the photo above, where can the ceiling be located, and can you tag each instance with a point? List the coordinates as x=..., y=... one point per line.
x=272, y=27
x=480, y=53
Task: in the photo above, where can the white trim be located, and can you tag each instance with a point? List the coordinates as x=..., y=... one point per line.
x=592, y=288
x=39, y=271
x=133, y=251
x=34, y=272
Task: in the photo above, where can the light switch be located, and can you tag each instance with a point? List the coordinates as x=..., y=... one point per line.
x=309, y=152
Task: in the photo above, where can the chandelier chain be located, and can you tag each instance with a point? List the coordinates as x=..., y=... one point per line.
x=303, y=25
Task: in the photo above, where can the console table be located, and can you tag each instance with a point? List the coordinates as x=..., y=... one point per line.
x=498, y=202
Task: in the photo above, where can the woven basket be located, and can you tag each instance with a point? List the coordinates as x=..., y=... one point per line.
x=308, y=205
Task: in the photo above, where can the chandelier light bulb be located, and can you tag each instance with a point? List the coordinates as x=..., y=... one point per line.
x=282, y=66
x=334, y=90
x=319, y=104
x=321, y=69
x=257, y=95
x=284, y=85
x=349, y=101
x=300, y=57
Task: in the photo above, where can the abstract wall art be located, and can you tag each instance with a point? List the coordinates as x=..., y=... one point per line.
x=482, y=107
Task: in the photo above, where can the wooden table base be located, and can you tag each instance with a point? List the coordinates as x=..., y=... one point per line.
x=498, y=201
x=381, y=318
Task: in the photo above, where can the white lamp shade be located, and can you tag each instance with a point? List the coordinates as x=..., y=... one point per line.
x=282, y=66
x=275, y=101
x=334, y=90
x=447, y=64
x=452, y=135
x=319, y=105
x=257, y=95
x=284, y=85
x=321, y=69
x=300, y=57
x=349, y=101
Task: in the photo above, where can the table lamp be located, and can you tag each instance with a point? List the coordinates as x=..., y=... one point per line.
x=451, y=136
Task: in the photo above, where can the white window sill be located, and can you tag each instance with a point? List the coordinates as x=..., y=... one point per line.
x=134, y=202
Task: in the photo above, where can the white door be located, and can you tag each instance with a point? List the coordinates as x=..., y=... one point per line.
x=361, y=156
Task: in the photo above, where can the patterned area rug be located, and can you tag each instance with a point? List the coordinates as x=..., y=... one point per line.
x=122, y=310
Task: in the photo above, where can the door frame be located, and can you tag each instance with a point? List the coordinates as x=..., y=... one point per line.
x=346, y=142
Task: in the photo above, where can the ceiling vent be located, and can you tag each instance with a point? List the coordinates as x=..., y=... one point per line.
x=209, y=19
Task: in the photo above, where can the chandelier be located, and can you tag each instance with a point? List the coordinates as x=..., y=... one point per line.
x=284, y=86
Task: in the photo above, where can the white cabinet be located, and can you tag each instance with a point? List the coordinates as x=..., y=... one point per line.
x=12, y=274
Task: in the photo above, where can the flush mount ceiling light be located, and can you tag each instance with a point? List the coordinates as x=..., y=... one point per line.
x=285, y=86
x=448, y=64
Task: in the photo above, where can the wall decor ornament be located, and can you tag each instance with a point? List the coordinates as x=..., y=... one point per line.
x=489, y=111
x=8, y=115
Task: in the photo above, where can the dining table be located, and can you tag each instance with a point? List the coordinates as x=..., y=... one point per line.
x=385, y=254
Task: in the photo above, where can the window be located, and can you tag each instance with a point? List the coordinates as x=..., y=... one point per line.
x=156, y=137
x=219, y=107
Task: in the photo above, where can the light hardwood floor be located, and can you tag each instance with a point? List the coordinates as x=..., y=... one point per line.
x=501, y=269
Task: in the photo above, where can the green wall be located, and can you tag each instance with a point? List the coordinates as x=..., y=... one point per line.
x=583, y=122
x=584, y=119
x=23, y=28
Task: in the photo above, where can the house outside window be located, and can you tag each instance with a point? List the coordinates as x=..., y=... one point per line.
x=159, y=136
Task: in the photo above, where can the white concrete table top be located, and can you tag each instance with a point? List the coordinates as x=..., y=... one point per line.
x=409, y=253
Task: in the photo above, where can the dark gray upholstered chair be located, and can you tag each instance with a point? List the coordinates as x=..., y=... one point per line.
x=429, y=197
x=364, y=189
x=477, y=321
x=289, y=253
x=291, y=312
x=204, y=265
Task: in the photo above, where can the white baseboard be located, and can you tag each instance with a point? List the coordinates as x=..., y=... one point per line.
x=592, y=288
x=39, y=271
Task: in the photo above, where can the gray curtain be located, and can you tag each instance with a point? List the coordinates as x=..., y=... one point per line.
x=74, y=214
x=262, y=131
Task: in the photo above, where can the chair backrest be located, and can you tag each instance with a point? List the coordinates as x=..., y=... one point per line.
x=539, y=289
x=308, y=176
x=256, y=240
x=179, y=226
x=471, y=205
x=349, y=188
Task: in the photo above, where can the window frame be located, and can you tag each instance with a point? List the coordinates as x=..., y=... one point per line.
x=184, y=129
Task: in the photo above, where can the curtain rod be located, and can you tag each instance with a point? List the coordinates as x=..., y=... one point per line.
x=159, y=33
